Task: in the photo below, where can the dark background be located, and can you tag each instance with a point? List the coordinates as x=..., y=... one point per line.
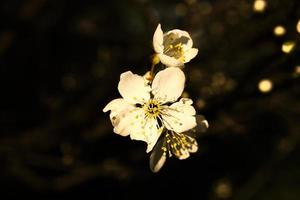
x=60, y=65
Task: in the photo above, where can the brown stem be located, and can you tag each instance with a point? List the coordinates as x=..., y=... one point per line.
x=152, y=71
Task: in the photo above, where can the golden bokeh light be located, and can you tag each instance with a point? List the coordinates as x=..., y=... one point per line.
x=265, y=85
x=298, y=26
x=279, y=30
x=296, y=72
x=288, y=46
x=259, y=5
x=223, y=189
x=297, y=69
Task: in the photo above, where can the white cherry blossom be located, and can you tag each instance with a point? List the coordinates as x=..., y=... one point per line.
x=145, y=110
x=174, y=48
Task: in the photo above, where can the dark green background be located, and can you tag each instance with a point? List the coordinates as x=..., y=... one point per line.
x=60, y=64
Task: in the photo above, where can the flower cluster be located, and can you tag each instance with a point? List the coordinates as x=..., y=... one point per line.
x=151, y=109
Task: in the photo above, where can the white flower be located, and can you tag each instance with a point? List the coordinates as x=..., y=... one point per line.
x=173, y=48
x=144, y=111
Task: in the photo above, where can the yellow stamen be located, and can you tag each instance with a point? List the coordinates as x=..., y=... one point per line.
x=152, y=108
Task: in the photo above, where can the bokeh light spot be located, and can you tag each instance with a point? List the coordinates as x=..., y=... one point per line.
x=297, y=69
x=259, y=5
x=298, y=26
x=223, y=189
x=279, y=30
x=265, y=85
x=288, y=46
x=296, y=72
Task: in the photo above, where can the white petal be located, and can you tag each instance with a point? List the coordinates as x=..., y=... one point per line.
x=152, y=134
x=114, y=104
x=180, y=116
x=169, y=61
x=179, y=33
x=128, y=120
x=146, y=130
x=133, y=88
x=168, y=85
x=190, y=54
x=206, y=123
x=160, y=163
x=158, y=38
x=117, y=108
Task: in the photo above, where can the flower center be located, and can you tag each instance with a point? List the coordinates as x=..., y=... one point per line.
x=152, y=108
x=175, y=51
x=173, y=45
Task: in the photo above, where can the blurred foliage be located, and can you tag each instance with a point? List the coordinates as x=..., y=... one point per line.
x=60, y=64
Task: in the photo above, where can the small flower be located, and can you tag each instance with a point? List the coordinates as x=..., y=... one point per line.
x=145, y=111
x=174, y=48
